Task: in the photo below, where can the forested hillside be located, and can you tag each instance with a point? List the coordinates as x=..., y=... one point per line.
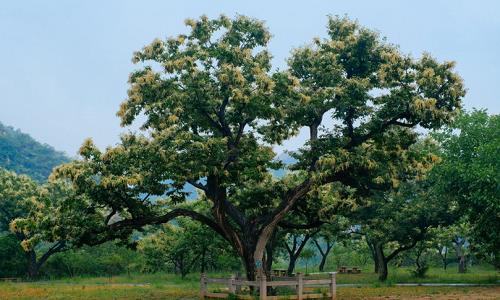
x=20, y=153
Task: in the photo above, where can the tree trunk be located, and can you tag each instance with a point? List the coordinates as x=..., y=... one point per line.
x=269, y=258
x=371, y=246
x=324, y=254
x=462, y=262
x=322, y=263
x=33, y=266
x=443, y=253
x=375, y=265
x=291, y=265
x=381, y=262
x=203, y=260
x=294, y=251
x=249, y=264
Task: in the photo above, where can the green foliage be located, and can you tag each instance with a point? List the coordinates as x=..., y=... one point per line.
x=27, y=209
x=54, y=215
x=103, y=260
x=349, y=252
x=22, y=154
x=185, y=247
x=13, y=261
x=469, y=175
x=17, y=193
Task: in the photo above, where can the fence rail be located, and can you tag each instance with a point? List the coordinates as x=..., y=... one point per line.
x=234, y=287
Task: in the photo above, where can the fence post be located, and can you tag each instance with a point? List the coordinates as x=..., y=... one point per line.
x=300, y=285
x=232, y=287
x=333, y=286
x=263, y=287
x=203, y=286
x=238, y=287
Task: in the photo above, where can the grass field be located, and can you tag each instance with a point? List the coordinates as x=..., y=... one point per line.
x=51, y=291
x=168, y=286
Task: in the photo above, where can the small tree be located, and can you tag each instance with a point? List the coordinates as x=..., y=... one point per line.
x=421, y=265
x=306, y=255
x=401, y=221
x=441, y=241
x=327, y=236
x=295, y=244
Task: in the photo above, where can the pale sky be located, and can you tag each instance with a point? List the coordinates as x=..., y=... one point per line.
x=64, y=64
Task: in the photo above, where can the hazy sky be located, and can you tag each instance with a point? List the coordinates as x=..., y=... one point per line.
x=64, y=64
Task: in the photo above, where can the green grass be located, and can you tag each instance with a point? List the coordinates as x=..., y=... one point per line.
x=169, y=286
x=88, y=291
x=476, y=275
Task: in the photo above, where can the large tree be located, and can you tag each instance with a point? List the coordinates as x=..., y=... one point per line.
x=211, y=109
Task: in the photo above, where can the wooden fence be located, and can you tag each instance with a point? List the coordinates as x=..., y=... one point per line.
x=298, y=283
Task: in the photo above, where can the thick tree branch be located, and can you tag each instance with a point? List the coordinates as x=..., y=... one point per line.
x=319, y=247
x=358, y=140
x=197, y=185
x=57, y=247
x=111, y=214
x=400, y=249
x=178, y=212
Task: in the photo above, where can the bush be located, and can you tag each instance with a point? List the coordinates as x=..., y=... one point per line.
x=104, y=260
x=420, y=271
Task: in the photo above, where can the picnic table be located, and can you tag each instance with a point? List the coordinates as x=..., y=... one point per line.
x=10, y=279
x=279, y=272
x=349, y=270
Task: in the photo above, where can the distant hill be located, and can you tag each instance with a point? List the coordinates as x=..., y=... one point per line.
x=20, y=153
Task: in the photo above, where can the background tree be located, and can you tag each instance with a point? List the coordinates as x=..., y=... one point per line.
x=459, y=233
x=295, y=243
x=469, y=174
x=441, y=241
x=213, y=108
x=326, y=238
x=20, y=196
x=307, y=254
x=421, y=263
x=401, y=220
x=52, y=217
